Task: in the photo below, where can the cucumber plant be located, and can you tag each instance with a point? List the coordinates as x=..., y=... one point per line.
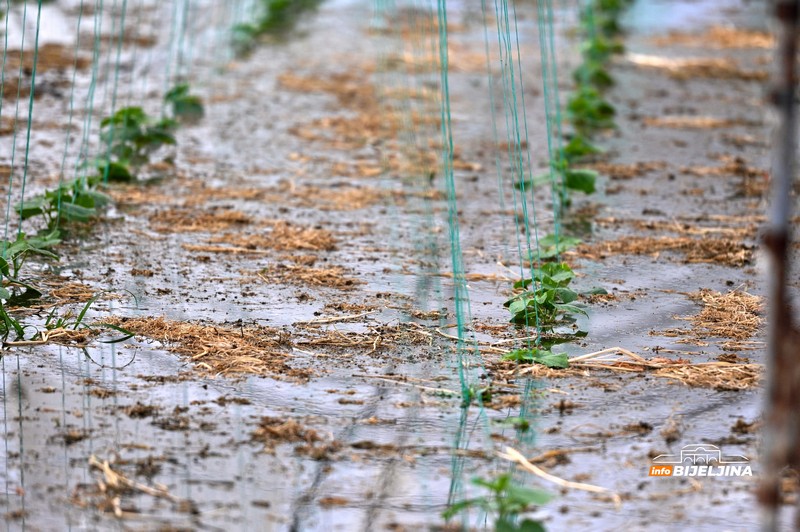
x=506, y=501
x=274, y=17
x=545, y=300
x=131, y=136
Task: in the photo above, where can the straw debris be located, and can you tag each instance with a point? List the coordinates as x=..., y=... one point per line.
x=717, y=375
x=189, y=220
x=217, y=350
x=735, y=315
x=718, y=37
x=725, y=251
x=333, y=277
x=695, y=122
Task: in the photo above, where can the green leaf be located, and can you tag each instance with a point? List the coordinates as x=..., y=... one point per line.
x=528, y=525
x=528, y=496
x=72, y=211
x=455, y=508
x=565, y=295
x=4, y=294
x=539, y=356
x=115, y=171
x=550, y=246
x=596, y=291
x=537, y=181
x=570, y=309
x=582, y=180
x=127, y=334
x=35, y=206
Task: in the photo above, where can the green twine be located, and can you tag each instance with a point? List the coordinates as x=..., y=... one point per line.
x=71, y=114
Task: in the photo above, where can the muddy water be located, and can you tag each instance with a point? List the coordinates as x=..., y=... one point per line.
x=393, y=465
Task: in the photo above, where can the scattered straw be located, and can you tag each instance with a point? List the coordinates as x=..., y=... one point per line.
x=725, y=251
x=287, y=237
x=717, y=375
x=718, y=37
x=698, y=67
x=218, y=350
x=627, y=171
x=188, y=220
x=694, y=122
x=333, y=277
x=735, y=315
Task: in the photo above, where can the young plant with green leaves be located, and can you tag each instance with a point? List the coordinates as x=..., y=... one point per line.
x=132, y=136
x=507, y=502
x=185, y=106
x=274, y=17
x=536, y=355
x=14, y=287
x=545, y=300
x=75, y=200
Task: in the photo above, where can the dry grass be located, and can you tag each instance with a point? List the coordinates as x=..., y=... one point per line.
x=755, y=181
x=698, y=67
x=283, y=236
x=338, y=199
x=694, y=122
x=627, y=171
x=189, y=220
x=725, y=251
x=716, y=375
x=218, y=350
x=683, y=227
x=332, y=277
x=65, y=293
x=735, y=315
x=718, y=37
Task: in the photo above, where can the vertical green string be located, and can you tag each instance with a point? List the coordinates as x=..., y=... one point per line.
x=551, y=99
x=30, y=114
x=120, y=40
x=2, y=99
x=71, y=114
x=83, y=162
x=514, y=144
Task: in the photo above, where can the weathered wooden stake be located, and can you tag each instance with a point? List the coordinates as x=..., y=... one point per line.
x=782, y=410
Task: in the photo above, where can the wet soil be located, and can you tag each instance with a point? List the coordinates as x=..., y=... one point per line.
x=289, y=283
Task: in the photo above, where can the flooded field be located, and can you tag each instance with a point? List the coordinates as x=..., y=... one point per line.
x=287, y=274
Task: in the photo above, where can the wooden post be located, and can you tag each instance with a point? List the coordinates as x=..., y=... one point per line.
x=782, y=409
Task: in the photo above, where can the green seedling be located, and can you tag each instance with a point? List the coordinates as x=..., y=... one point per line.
x=550, y=246
x=588, y=111
x=581, y=180
x=519, y=423
x=75, y=322
x=132, y=136
x=276, y=17
x=599, y=49
x=539, y=356
x=186, y=107
x=506, y=501
x=549, y=303
x=75, y=200
x=482, y=394
x=13, y=257
x=577, y=148
x=593, y=73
